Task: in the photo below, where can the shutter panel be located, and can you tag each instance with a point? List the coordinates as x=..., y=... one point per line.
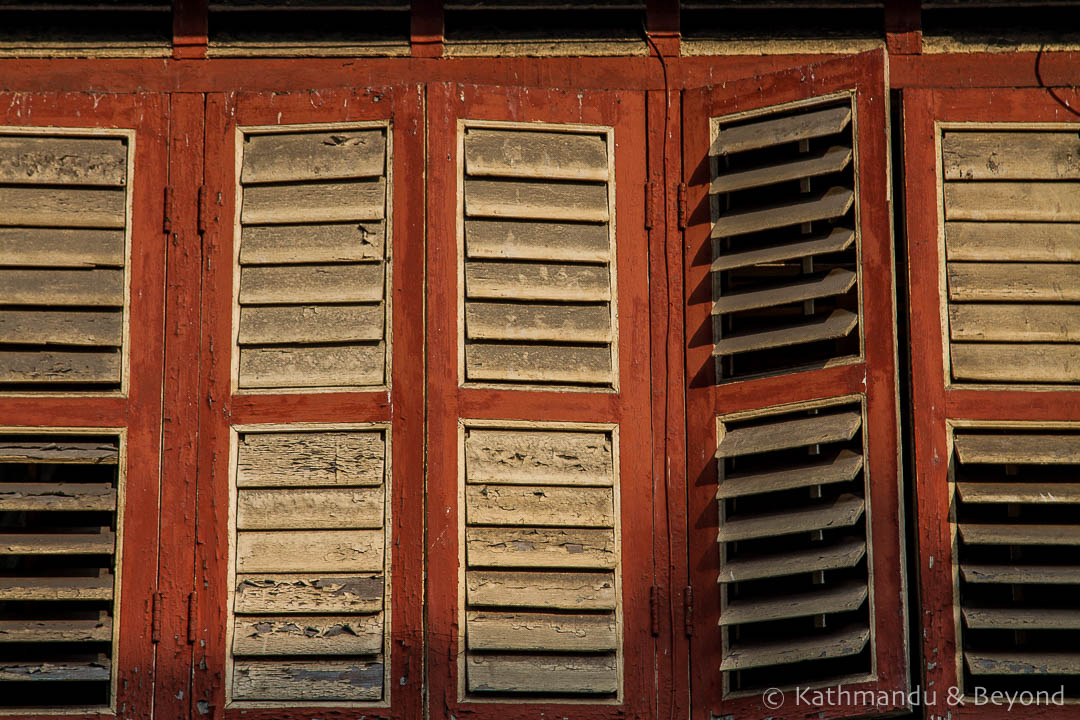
x=103, y=28
x=63, y=223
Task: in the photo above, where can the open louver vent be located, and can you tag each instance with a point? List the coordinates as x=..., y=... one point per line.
x=755, y=26
x=785, y=240
x=793, y=556
x=1012, y=241
x=116, y=28
x=1015, y=512
x=58, y=521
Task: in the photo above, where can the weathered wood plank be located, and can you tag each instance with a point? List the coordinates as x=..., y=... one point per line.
x=41, y=631
x=312, y=459
x=844, y=511
x=582, y=202
x=845, y=597
x=532, y=154
x=1012, y=201
x=322, y=202
x=538, y=363
x=30, y=497
x=58, y=451
x=54, y=671
x=837, y=324
x=538, y=457
x=1036, y=494
x=1022, y=663
x=28, y=160
x=309, y=324
x=56, y=588
x=532, y=281
x=516, y=321
x=300, y=284
x=1021, y=619
x=337, y=154
x=540, y=632
x=833, y=203
x=1018, y=448
x=99, y=288
x=789, y=433
x=846, y=554
x=279, y=594
x=58, y=247
x=307, y=680
x=839, y=467
x=1021, y=363
x=1021, y=574
x=1012, y=242
x=308, y=635
x=540, y=548
x=62, y=207
x=510, y=240
x=317, y=366
x=342, y=551
x=538, y=506
x=836, y=282
x=47, y=327
x=833, y=160
x=766, y=133
x=994, y=534
x=564, y=675
x=295, y=509
x=541, y=590
x=1014, y=323
x=836, y=240
x=842, y=643
x=33, y=366
x=1016, y=155
x=101, y=543
x=1048, y=282
x=325, y=243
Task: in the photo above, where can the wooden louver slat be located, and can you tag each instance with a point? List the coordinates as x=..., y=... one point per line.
x=826, y=647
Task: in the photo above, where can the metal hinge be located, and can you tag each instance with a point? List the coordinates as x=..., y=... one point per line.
x=688, y=611
x=682, y=205
x=204, y=211
x=155, y=618
x=192, y=607
x=166, y=221
x=654, y=610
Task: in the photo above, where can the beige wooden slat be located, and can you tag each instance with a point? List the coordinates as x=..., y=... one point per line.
x=62, y=207
x=1014, y=155
x=41, y=631
x=28, y=160
x=522, y=240
x=558, y=323
x=1012, y=242
x=1021, y=574
x=783, y=434
x=846, y=554
x=61, y=451
x=1034, y=493
x=842, y=466
x=310, y=459
x=541, y=590
x=1020, y=363
x=538, y=457
x=836, y=282
x=1021, y=619
x=540, y=632
x=300, y=284
x=30, y=497
x=343, y=551
x=309, y=324
x=1012, y=201
x=62, y=671
x=316, y=366
x=281, y=594
x=538, y=506
x=839, y=323
x=538, y=363
x=531, y=154
x=288, y=679
x=559, y=674
x=766, y=133
x=578, y=549
x=1047, y=282
x=533, y=281
x=1014, y=323
x=333, y=155
x=845, y=597
x=828, y=645
x=312, y=243
x=838, y=239
x=100, y=543
x=59, y=247
x=833, y=160
x=323, y=202
x=35, y=589
x=40, y=366
x=44, y=327
x=309, y=509
x=582, y=202
x=1018, y=448
x=833, y=203
x=997, y=534
x=844, y=511
x=1022, y=663
x=99, y=288
x=308, y=635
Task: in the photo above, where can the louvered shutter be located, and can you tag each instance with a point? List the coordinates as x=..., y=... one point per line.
x=105, y=28
x=792, y=404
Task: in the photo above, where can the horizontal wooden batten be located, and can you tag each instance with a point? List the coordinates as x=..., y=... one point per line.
x=833, y=203
x=1026, y=155
x=769, y=436
x=1024, y=363
x=262, y=635
x=342, y=551
x=300, y=284
x=1041, y=535
x=533, y=154
x=101, y=543
x=844, y=597
x=57, y=366
x=826, y=646
x=538, y=457
x=540, y=590
x=534, y=281
x=539, y=363
x=838, y=324
x=843, y=466
x=299, y=156
x=833, y=160
x=13, y=671
x=1034, y=282
x=31, y=497
x=317, y=202
x=993, y=492
x=299, y=459
x=345, y=242
x=309, y=324
x=278, y=593
x=314, y=366
x=293, y=680
x=565, y=674
x=56, y=631
x=29, y=589
x=1021, y=619
x=846, y=554
x=766, y=133
x=63, y=207
x=575, y=201
x=52, y=327
x=523, y=240
x=539, y=506
x=30, y=160
x=528, y=322
x=61, y=247
x=1022, y=663
x=1021, y=574
x=837, y=240
x=845, y=511
x=835, y=282
x=540, y=632
x=59, y=451
x=92, y=288
x=1012, y=201
x=1017, y=448
x=1015, y=323
x=1012, y=242
x=540, y=548
x=300, y=509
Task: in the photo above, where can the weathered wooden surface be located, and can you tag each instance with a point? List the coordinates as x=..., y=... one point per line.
x=47, y=206
x=308, y=635
x=342, y=551
x=844, y=511
x=42, y=631
x=842, y=643
x=64, y=451
x=540, y=632
x=567, y=674
x=846, y=554
x=1024, y=363
x=538, y=457
x=538, y=363
x=324, y=202
x=833, y=160
x=531, y=281
x=1047, y=282
x=996, y=534
x=312, y=243
x=307, y=680
x=765, y=133
x=1012, y=242
x=1044, y=448
x=1021, y=574
x=519, y=240
x=298, y=284
x=54, y=671
x=33, y=366
x=296, y=509
x=839, y=467
x=839, y=323
x=278, y=594
x=101, y=543
x=316, y=366
x=44, y=327
x=57, y=496
x=1022, y=663
x=540, y=548
x=308, y=324
x=298, y=459
x=538, y=506
x=1012, y=201
x=1016, y=155
x=844, y=597
x=533, y=154
x=59, y=247
x=100, y=288
x=56, y=588
x=833, y=203
x=337, y=154
x=837, y=240
x=541, y=590
x=1021, y=619
x=787, y=433
x=514, y=321
x=836, y=282
x=1031, y=493
x=1014, y=323
x=28, y=160
x=583, y=202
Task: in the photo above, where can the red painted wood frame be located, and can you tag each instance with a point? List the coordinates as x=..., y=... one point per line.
x=934, y=399
x=449, y=402
x=139, y=412
x=874, y=376
x=402, y=406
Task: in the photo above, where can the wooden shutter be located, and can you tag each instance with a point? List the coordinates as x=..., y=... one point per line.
x=109, y=28
x=792, y=403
